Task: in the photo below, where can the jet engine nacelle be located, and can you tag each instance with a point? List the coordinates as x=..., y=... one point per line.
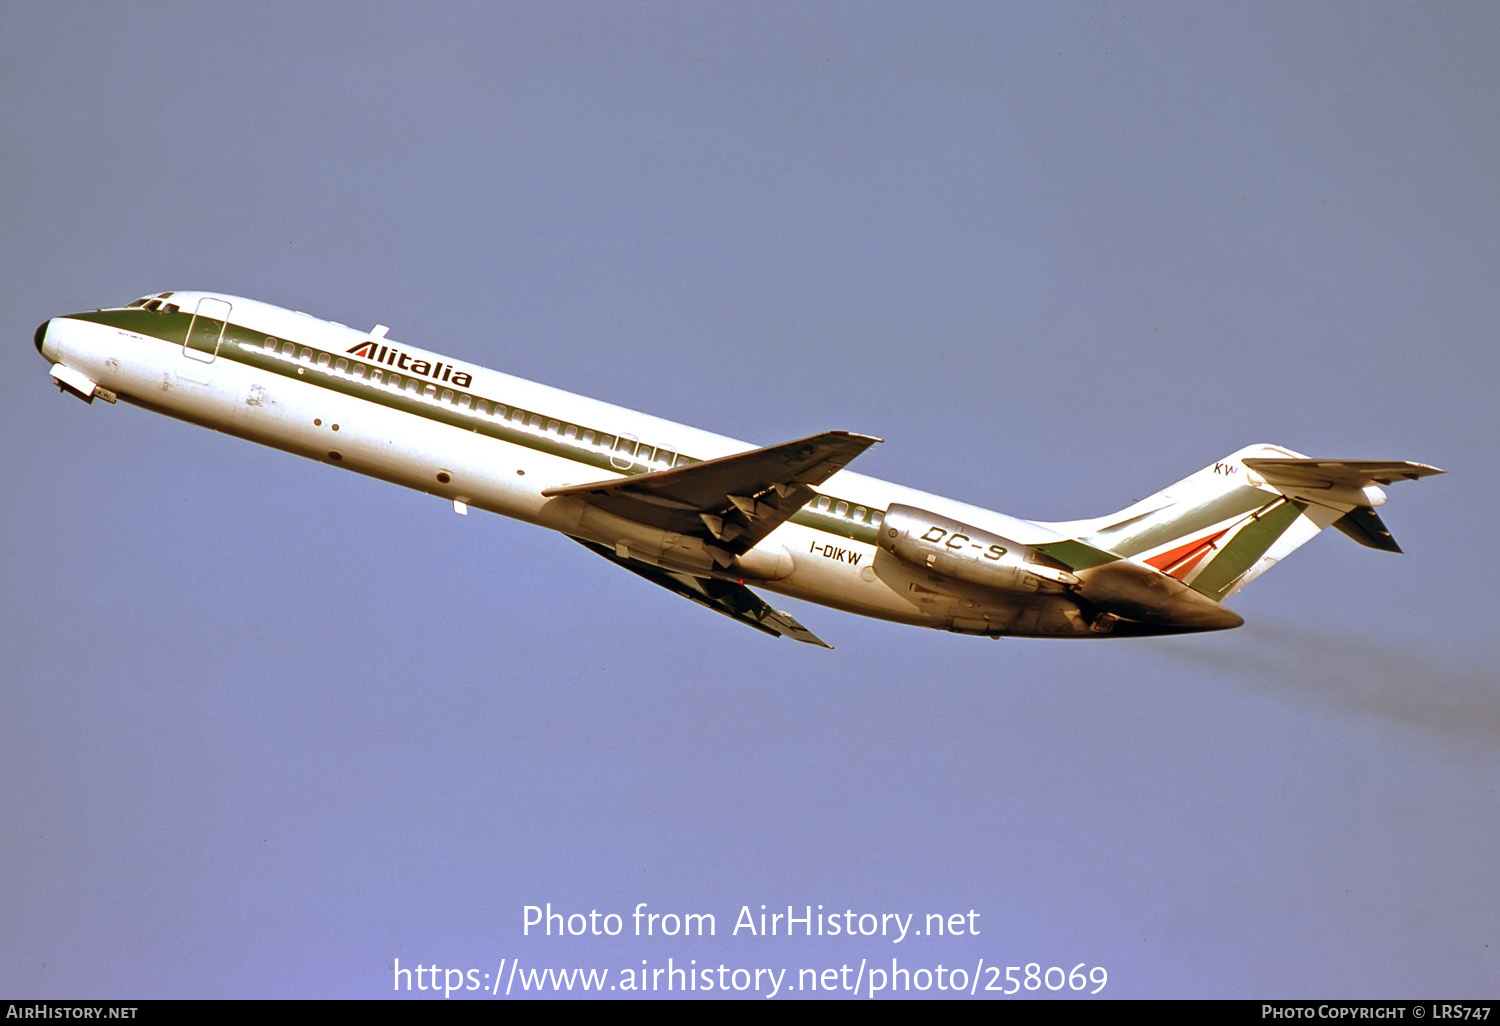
x=1120, y=589
x=957, y=550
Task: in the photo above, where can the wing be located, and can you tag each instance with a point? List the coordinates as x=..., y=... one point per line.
x=725, y=597
x=731, y=502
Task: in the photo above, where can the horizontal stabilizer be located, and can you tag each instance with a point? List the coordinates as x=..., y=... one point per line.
x=1365, y=526
x=1349, y=487
x=1305, y=473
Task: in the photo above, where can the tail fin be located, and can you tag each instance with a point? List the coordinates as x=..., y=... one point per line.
x=1219, y=529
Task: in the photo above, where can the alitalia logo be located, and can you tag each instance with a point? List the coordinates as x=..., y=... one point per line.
x=393, y=357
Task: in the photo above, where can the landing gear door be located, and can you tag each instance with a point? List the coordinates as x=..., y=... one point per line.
x=206, y=330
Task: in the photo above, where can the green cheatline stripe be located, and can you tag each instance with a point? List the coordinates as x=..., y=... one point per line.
x=1248, y=544
x=1176, y=521
x=167, y=327
x=1077, y=555
x=243, y=346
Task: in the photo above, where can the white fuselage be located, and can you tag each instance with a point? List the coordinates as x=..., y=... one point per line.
x=495, y=442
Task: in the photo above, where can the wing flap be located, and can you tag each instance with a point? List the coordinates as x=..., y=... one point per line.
x=731, y=599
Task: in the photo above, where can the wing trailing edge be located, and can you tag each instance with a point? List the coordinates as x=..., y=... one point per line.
x=732, y=502
x=727, y=597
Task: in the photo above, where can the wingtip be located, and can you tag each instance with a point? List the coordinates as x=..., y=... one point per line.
x=858, y=437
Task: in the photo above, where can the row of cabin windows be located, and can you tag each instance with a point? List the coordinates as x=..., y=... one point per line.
x=839, y=508
x=622, y=449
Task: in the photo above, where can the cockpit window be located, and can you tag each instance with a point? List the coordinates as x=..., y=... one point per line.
x=153, y=303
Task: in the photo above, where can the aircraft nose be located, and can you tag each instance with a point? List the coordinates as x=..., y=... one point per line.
x=41, y=335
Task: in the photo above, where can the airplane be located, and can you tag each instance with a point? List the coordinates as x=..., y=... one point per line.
x=707, y=516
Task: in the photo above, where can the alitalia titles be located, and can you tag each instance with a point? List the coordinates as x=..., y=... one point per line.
x=393, y=357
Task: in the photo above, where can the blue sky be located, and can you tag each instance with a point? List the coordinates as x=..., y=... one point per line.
x=268, y=727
